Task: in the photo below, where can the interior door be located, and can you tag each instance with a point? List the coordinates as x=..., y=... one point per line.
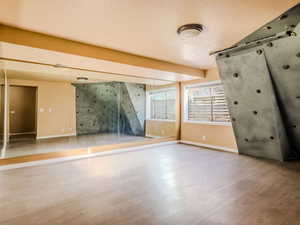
x=22, y=110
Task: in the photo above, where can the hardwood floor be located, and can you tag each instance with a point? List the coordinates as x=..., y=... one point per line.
x=32, y=147
x=83, y=151
x=168, y=185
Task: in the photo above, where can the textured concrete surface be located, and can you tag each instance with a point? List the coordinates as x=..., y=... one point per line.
x=110, y=107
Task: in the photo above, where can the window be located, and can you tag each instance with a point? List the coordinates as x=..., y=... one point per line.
x=206, y=103
x=161, y=104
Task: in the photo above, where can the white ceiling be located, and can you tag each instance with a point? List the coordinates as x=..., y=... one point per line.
x=146, y=27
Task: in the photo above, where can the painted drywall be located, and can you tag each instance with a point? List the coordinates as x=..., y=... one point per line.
x=22, y=108
x=110, y=107
x=164, y=128
x=155, y=128
x=215, y=135
x=55, y=107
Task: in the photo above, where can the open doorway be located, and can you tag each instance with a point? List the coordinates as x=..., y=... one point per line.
x=22, y=113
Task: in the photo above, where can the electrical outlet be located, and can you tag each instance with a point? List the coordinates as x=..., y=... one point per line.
x=50, y=110
x=42, y=109
x=203, y=138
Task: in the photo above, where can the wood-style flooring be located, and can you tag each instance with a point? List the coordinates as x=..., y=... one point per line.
x=168, y=185
x=22, y=147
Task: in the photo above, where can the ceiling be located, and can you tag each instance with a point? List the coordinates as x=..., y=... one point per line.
x=147, y=27
x=33, y=71
x=95, y=69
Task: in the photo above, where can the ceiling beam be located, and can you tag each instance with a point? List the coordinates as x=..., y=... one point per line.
x=43, y=41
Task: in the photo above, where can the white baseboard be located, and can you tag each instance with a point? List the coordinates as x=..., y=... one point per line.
x=209, y=146
x=64, y=159
x=55, y=136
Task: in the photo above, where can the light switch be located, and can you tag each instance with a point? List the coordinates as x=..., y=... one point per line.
x=12, y=112
x=50, y=110
x=42, y=110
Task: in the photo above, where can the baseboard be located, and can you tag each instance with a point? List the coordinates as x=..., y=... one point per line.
x=55, y=136
x=225, y=149
x=14, y=134
x=71, y=158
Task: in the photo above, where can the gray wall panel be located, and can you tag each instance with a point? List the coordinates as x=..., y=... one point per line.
x=109, y=108
x=262, y=73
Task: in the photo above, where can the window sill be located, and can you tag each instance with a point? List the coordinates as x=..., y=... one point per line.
x=209, y=123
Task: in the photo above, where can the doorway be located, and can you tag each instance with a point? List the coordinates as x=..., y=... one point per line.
x=22, y=113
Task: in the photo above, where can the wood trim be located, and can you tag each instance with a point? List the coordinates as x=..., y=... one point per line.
x=43, y=41
x=80, y=152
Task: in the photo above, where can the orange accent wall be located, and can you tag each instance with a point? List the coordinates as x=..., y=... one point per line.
x=215, y=135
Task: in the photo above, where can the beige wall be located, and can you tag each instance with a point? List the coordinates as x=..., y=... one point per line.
x=56, y=113
x=161, y=128
x=215, y=135
x=165, y=128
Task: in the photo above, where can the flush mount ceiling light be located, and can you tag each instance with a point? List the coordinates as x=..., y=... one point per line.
x=190, y=30
x=82, y=78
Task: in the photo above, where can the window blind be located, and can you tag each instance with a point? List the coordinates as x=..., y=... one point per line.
x=207, y=104
x=162, y=104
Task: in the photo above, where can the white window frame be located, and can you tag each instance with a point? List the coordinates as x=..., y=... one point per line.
x=148, y=103
x=185, y=102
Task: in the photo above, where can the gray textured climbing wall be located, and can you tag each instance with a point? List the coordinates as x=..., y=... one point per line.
x=261, y=78
x=110, y=107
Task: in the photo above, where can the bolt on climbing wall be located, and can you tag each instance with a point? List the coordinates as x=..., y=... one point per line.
x=110, y=107
x=261, y=77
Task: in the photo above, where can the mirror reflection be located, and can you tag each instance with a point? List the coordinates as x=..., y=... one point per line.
x=52, y=108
